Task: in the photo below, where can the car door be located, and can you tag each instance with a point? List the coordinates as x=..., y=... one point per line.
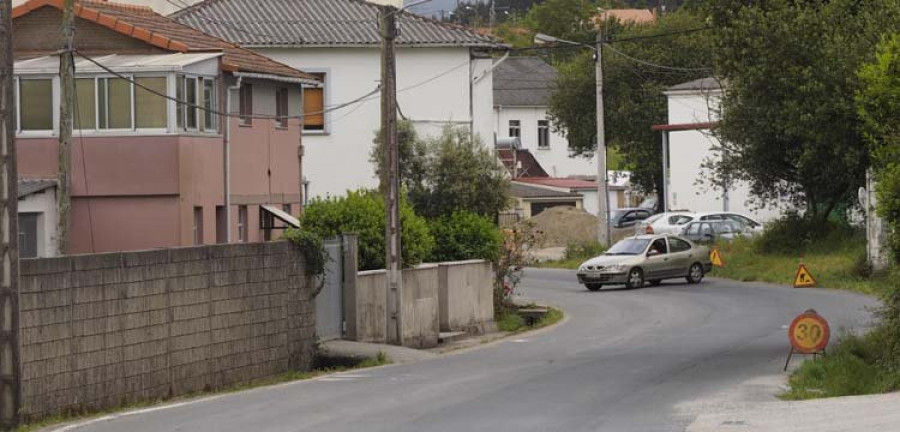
x=657, y=266
x=627, y=220
x=681, y=256
x=692, y=231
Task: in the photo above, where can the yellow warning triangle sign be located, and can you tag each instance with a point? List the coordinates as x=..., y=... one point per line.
x=716, y=257
x=804, y=279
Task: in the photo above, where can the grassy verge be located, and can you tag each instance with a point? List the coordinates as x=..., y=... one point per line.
x=834, y=265
x=509, y=320
x=380, y=360
x=576, y=253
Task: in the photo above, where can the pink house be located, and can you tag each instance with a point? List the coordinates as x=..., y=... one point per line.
x=148, y=171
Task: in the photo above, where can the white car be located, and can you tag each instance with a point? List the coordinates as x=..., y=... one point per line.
x=748, y=224
x=664, y=223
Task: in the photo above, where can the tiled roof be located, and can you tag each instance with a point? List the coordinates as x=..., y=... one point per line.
x=28, y=187
x=522, y=190
x=639, y=16
x=523, y=81
x=142, y=23
x=262, y=23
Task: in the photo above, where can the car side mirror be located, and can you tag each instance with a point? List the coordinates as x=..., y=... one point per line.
x=652, y=253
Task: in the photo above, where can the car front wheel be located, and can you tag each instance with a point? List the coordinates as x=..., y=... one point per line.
x=635, y=279
x=695, y=273
x=593, y=287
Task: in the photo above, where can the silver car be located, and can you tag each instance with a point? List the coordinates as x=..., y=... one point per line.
x=646, y=258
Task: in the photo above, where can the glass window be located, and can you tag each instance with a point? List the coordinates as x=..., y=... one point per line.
x=36, y=104
x=28, y=235
x=641, y=215
x=314, y=105
x=210, y=103
x=281, y=107
x=198, y=225
x=693, y=229
x=179, y=107
x=246, y=104
x=119, y=103
x=242, y=224
x=679, y=220
x=678, y=245
x=659, y=245
x=190, y=110
x=515, y=129
x=543, y=134
x=150, y=108
x=706, y=230
x=221, y=225
x=86, y=101
x=628, y=247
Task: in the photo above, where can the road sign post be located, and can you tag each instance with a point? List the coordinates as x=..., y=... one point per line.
x=809, y=334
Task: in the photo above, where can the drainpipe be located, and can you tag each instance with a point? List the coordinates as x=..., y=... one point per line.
x=227, y=142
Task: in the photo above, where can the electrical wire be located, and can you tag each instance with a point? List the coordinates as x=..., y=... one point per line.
x=217, y=112
x=84, y=169
x=658, y=66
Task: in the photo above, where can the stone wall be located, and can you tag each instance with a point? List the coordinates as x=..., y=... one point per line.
x=419, y=307
x=99, y=331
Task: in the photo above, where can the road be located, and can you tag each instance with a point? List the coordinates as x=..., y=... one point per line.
x=639, y=360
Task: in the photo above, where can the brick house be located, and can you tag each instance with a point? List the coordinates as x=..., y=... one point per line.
x=149, y=172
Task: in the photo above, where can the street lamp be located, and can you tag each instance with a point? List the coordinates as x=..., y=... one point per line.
x=603, y=234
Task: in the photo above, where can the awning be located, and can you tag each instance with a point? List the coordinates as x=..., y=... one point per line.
x=281, y=215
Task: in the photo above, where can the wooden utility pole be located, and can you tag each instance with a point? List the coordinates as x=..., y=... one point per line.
x=603, y=231
x=66, y=115
x=10, y=389
x=388, y=29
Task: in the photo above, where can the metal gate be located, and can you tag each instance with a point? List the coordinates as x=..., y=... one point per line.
x=330, y=301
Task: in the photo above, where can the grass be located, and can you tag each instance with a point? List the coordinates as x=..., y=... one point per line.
x=576, y=253
x=509, y=320
x=380, y=359
x=833, y=265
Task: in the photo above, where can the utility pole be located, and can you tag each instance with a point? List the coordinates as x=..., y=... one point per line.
x=66, y=114
x=10, y=388
x=493, y=17
x=388, y=30
x=602, y=174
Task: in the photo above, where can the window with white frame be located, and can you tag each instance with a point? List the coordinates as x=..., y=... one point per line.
x=515, y=129
x=112, y=103
x=543, y=134
x=35, y=96
x=199, y=102
x=314, y=105
x=281, y=107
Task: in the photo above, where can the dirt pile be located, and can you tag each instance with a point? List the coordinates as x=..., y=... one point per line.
x=563, y=225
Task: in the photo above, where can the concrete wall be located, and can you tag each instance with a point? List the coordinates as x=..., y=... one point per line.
x=555, y=159
x=466, y=295
x=99, y=331
x=419, y=308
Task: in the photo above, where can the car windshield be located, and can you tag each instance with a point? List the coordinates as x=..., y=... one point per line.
x=628, y=247
x=617, y=214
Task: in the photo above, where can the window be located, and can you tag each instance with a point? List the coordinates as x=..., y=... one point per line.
x=190, y=110
x=286, y=208
x=242, y=224
x=28, y=235
x=314, y=105
x=114, y=100
x=36, y=104
x=86, y=101
x=679, y=220
x=692, y=229
x=659, y=245
x=210, y=103
x=221, y=225
x=150, y=108
x=706, y=230
x=543, y=134
x=281, y=107
x=515, y=129
x=641, y=215
x=180, y=108
x=246, y=109
x=198, y=225
x=678, y=245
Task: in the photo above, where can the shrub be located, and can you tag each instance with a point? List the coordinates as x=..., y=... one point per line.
x=465, y=235
x=584, y=249
x=794, y=234
x=362, y=212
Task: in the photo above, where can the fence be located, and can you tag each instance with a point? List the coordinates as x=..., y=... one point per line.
x=99, y=331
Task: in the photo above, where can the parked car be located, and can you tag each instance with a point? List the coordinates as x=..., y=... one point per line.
x=634, y=260
x=710, y=231
x=747, y=223
x=622, y=222
x=664, y=223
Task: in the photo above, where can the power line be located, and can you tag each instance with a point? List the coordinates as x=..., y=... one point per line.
x=658, y=66
x=659, y=35
x=217, y=112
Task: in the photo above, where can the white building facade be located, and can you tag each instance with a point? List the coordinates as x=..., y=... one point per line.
x=443, y=76
x=693, y=107
x=522, y=89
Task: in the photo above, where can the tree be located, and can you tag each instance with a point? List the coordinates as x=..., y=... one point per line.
x=789, y=122
x=567, y=19
x=633, y=91
x=449, y=173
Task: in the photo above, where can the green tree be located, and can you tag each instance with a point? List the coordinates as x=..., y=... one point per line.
x=362, y=212
x=464, y=235
x=789, y=122
x=633, y=90
x=567, y=19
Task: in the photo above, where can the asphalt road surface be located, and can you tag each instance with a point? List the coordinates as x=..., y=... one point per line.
x=624, y=360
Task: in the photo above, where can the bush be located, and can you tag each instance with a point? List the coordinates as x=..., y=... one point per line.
x=584, y=249
x=464, y=235
x=794, y=234
x=362, y=212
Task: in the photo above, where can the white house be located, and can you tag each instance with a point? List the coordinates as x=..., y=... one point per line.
x=693, y=111
x=443, y=75
x=37, y=218
x=522, y=89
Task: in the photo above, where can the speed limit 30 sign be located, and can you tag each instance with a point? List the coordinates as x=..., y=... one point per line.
x=809, y=334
